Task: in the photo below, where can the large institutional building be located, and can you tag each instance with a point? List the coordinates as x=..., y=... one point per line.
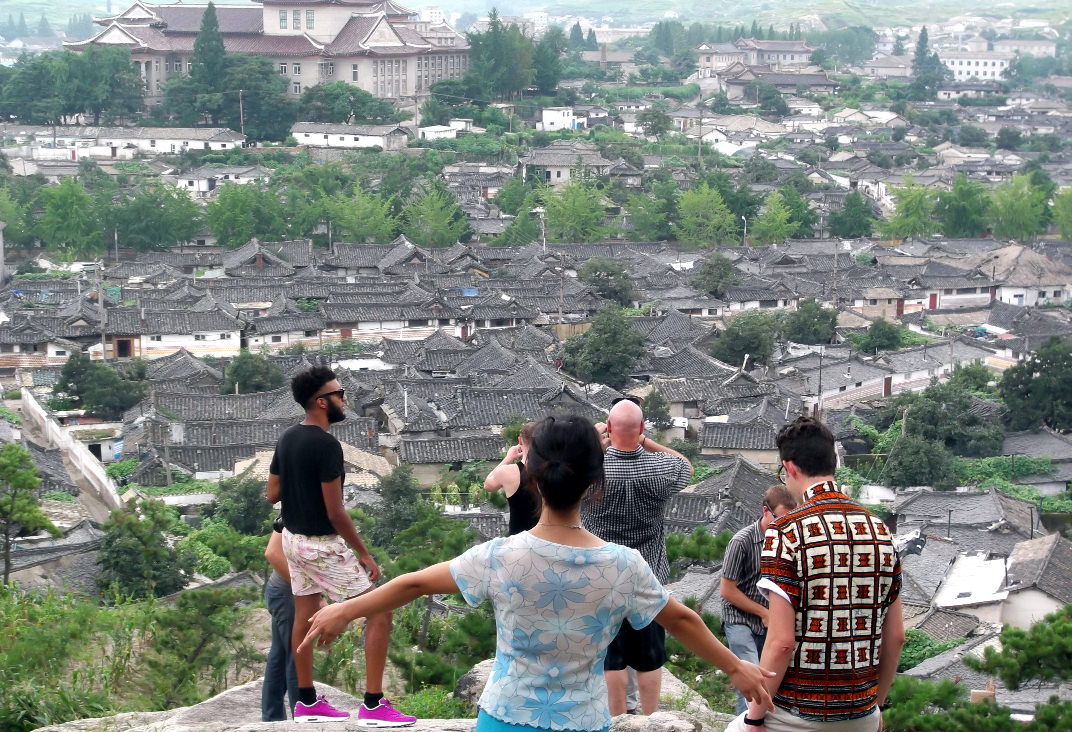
x=380, y=47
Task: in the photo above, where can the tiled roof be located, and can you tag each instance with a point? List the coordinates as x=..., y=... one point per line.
x=754, y=436
x=450, y=449
x=948, y=625
x=1044, y=564
x=168, y=322
x=482, y=407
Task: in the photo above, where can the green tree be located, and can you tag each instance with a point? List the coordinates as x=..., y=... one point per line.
x=610, y=279
x=654, y=122
x=1017, y=209
x=704, y=219
x=135, y=556
x=1008, y=138
x=882, y=335
x=266, y=111
x=916, y=461
x=1061, y=210
x=339, y=102
x=914, y=213
x=157, y=216
x=962, y=211
x=751, y=333
x=547, y=60
x=511, y=196
x=1040, y=653
x=943, y=413
x=249, y=373
x=652, y=214
x=854, y=219
x=971, y=136
x=107, y=395
x=198, y=638
x=714, y=275
x=362, y=216
x=575, y=213
x=397, y=511
x=767, y=96
x=919, y=647
x=1039, y=390
x=810, y=323
x=801, y=214
x=657, y=411
x=15, y=214
x=69, y=226
x=775, y=224
x=104, y=83
x=207, y=71
x=435, y=219
x=19, y=509
x=928, y=71
x=606, y=352
x=242, y=212
x=576, y=37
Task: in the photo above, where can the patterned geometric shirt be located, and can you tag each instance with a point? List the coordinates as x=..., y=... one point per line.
x=741, y=564
x=557, y=608
x=628, y=510
x=836, y=565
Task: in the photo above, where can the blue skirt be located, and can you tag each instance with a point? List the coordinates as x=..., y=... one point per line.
x=487, y=723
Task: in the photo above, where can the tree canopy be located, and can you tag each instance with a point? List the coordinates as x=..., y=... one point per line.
x=714, y=275
x=606, y=352
x=1039, y=389
x=610, y=278
x=810, y=323
x=251, y=372
x=752, y=334
x=19, y=508
x=704, y=219
x=135, y=556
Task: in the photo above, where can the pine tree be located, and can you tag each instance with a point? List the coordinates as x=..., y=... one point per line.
x=209, y=53
x=22, y=30
x=43, y=28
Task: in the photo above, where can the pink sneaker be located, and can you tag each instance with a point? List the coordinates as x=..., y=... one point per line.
x=383, y=715
x=319, y=712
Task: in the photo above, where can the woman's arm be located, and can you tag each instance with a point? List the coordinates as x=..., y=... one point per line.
x=505, y=475
x=687, y=627
x=329, y=622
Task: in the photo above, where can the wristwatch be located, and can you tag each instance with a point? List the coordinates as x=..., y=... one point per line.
x=754, y=722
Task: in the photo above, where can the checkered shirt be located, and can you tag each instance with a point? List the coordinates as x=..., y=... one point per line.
x=837, y=564
x=629, y=508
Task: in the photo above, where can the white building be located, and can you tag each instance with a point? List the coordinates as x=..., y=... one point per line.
x=553, y=119
x=316, y=134
x=967, y=65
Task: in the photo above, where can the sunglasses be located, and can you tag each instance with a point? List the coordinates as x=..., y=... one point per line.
x=634, y=399
x=781, y=471
x=326, y=394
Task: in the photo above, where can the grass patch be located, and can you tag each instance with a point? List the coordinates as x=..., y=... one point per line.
x=435, y=702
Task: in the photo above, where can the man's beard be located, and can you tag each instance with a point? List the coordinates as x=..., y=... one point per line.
x=335, y=414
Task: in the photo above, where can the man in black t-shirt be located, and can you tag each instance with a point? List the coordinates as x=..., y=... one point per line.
x=325, y=555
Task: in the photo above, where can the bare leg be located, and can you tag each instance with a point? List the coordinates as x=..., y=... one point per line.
x=616, y=683
x=304, y=607
x=377, y=637
x=650, y=684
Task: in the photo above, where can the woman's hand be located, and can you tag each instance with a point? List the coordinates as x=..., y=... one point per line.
x=328, y=623
x=751, y=680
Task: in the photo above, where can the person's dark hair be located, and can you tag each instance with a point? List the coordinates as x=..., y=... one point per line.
x=809, y=444
x=306, y=384
x=565, y=459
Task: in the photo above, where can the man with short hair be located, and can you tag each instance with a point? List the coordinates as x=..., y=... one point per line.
x=835, y=626
x=325, y=555
x=639, y=477
x=744, y=607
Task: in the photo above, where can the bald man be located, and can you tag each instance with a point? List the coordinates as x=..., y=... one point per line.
x=640, y=476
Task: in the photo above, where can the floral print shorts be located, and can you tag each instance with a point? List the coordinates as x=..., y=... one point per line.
x=323, y=565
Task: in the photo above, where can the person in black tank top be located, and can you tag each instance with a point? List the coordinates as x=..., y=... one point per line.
x=513, y=480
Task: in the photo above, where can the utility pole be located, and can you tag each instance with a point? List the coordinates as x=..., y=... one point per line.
x=103, y=313
x=241, y=113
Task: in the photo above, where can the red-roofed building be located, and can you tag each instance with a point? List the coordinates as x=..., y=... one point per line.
x=376, y=45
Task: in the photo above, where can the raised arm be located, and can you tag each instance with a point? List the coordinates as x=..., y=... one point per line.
x=505, y=476
x=329, y=622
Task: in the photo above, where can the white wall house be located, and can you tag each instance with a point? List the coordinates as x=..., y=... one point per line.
x=553, y=119
x=315, y=134
x=967, y=65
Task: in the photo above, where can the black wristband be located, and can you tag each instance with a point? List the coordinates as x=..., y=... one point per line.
x=754, y=722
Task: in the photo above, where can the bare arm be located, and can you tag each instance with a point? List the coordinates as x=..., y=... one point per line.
x=332, y=620
x=893, y=639
x=275, y=490
x=505, y=476
x=274, y=554
x=344, y=527
x=778, y=648
x=732, y=594
x=653, y=446
x=687, y=627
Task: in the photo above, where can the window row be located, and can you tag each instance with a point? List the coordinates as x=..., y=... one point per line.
x=296, y=19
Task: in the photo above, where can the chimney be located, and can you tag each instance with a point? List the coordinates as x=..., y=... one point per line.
x=258, y=262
